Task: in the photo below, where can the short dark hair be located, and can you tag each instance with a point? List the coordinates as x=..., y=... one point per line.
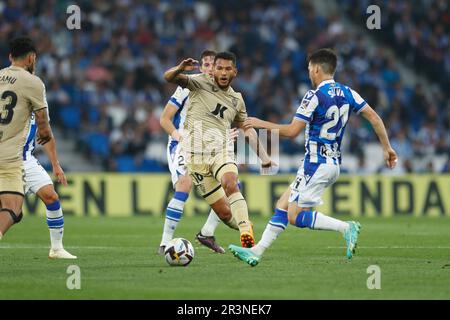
x=21, y=46
x=208, y=53
x=327, y=59
x=226, y=55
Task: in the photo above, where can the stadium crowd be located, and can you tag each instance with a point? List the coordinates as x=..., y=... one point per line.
x=105, y=83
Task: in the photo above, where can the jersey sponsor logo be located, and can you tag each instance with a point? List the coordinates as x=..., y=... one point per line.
x=324, y=152
x=220, y=109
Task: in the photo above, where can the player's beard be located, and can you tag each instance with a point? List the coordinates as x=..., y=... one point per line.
x=223, y=87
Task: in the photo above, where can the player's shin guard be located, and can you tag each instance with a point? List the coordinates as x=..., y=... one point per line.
x=318, y=221
x=173, y=215
x=274, y=228
x=55, y=222
x=239, y=211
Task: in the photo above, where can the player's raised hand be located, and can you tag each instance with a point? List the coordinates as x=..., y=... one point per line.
x=188, y=64
x=59, y=173
x=390, y=157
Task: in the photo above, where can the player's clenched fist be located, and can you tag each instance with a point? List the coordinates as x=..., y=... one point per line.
x=390, y=157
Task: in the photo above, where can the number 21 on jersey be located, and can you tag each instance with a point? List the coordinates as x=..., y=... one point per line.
x=330, y=130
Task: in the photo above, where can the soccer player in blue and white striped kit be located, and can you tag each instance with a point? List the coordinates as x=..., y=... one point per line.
x=323, y=113
x=38, y=181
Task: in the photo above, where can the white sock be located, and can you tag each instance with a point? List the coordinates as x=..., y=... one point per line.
x=211, y=224
x=324, y=222
x=55, y=222
x=173, y=215
x=274, y=228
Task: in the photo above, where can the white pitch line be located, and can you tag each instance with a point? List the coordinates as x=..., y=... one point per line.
x=69, y=247
x=393, y=247
x=18, y=246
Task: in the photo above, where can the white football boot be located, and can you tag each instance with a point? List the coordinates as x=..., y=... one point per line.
x=60, y=254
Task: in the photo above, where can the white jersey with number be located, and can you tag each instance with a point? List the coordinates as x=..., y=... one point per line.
x=35, y=175
x=175, y=160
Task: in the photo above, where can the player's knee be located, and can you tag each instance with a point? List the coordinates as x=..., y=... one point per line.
x=184, y=184
x=281, y=204
x=15, y=217
x=230, y=185
x=50, y=197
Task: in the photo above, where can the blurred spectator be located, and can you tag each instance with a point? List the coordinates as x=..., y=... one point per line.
x=106, y=89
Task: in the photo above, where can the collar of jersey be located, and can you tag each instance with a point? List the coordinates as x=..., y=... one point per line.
x=324, y=82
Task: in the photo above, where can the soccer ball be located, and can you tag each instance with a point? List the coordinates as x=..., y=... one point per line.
x=179, y=252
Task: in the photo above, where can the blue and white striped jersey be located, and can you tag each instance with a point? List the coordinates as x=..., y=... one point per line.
x=326, y=111
x=179, y=100
x=30, y=143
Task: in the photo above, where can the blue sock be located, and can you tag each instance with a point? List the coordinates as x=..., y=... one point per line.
x=306, y=219
x=279, y=219
x=274, y=228
x=55, y=222
x=173, y=215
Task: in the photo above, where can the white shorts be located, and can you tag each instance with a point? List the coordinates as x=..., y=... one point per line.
x=35, y=176
x=311, y=182
x=176, y=162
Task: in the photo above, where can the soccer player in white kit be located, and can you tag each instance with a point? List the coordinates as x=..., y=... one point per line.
x=324, y=113
x=38, y=181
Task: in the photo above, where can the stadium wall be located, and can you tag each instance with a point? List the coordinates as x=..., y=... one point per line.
x=147, y=194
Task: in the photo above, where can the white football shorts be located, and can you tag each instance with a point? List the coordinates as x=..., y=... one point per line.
x=310, y=183
x=176, y=162
x=35, y=176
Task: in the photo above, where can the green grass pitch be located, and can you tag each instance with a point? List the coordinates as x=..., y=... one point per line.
x=117, y=259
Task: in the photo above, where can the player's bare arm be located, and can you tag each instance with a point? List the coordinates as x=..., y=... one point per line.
x=166, y=121
x=44, y=131
x=291, y=130
x=390, y=157
x=50, y=150
x=175, y=74
x=256, y=145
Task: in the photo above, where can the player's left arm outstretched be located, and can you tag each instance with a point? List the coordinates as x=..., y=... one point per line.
x=290, y=130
